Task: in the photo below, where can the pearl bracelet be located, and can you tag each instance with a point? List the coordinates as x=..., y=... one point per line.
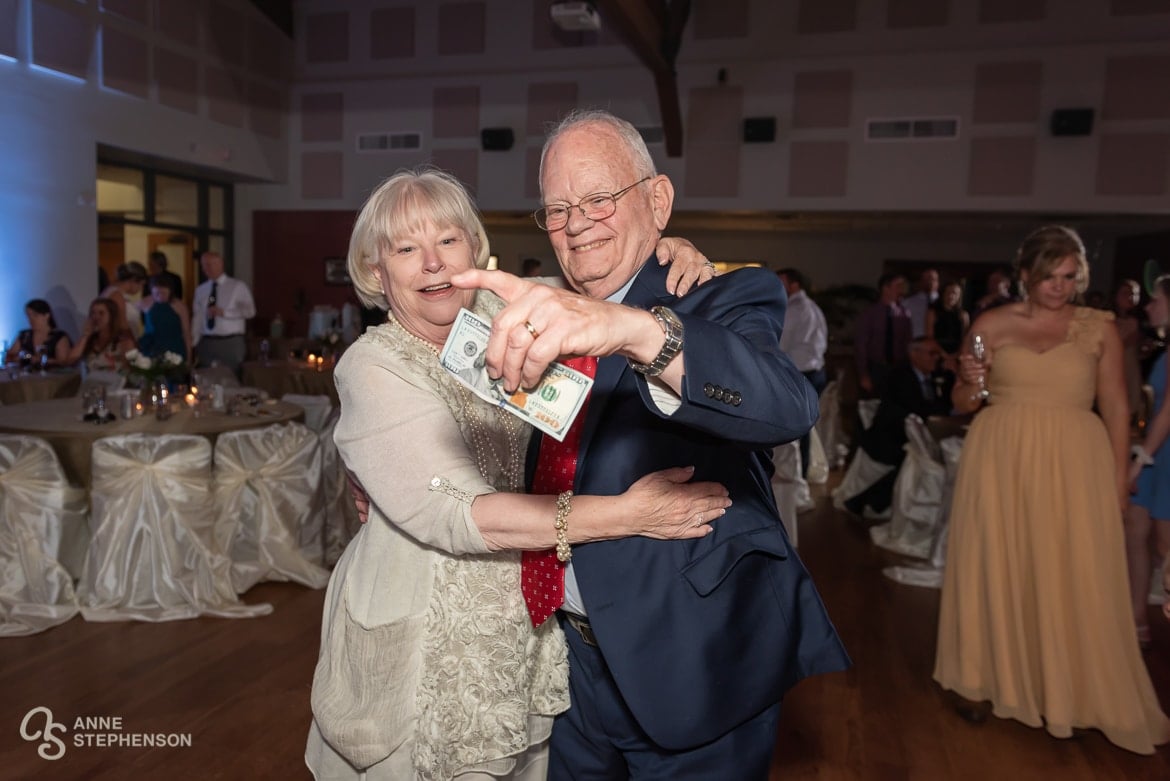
x=564, y=507
x=1141, y=455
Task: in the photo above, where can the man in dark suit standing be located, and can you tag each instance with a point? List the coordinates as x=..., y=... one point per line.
x=921, y=387
x=679, y=651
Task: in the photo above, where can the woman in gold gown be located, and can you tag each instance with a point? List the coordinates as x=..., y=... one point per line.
x=1035, y=614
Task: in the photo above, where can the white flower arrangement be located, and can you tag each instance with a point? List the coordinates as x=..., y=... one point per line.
x=153, y=368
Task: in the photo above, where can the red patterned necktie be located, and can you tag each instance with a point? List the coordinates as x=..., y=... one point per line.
x=542, y=577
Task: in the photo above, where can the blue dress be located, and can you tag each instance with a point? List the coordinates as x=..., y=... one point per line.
x=163, y=332
x=1154, y=481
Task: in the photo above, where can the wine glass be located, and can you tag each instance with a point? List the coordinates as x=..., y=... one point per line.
x=43, y=359
x=979, y=353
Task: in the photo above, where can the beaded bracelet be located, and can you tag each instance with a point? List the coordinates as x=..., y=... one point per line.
x=564, y=507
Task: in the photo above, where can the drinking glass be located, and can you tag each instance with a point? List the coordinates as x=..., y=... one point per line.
x=979, y=353
x=43, y=359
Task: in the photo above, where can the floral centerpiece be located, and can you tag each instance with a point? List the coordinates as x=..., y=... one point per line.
x=148, y=371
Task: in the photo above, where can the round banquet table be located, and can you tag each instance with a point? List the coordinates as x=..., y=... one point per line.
x=280, y=377
x=59, y=423
x=34, y=386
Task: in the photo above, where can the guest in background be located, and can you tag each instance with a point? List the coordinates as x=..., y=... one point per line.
x=1149, y=507
x=41, y=337
x=531, y=267
x=126, y=293
x=921, y=387
x=167, y=322
x=947, y=321
x=1035, y=616
x=1096, y=299
x=158, y=267
x=104, y=340
x=883, y=335
x=223, y=306
x=998, y=291
x=919, y=302
x=1126, y=306
x=805, y=339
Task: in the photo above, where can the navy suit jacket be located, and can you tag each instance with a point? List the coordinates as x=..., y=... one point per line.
x=701, y=635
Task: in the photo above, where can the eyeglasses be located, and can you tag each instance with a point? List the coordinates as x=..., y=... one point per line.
x=596, y=206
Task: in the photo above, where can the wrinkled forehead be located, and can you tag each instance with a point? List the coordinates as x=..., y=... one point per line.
x=583, y=160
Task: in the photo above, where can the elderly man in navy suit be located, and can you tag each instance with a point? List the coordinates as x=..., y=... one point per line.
x=680, y=651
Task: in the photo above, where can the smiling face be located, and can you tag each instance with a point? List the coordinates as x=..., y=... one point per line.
x=598, y=258
x=415, y=271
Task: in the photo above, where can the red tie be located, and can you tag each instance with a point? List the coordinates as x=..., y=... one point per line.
x=542, y=577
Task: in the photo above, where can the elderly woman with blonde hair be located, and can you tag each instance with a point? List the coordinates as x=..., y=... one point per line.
x=429, y=666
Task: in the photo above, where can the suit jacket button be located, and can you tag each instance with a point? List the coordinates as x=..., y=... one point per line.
x=719, y=393
x=709, y=390
x=736, y=398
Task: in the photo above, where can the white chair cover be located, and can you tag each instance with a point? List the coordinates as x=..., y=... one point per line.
x=268, y=494
x=341, y=517
x=788, y=487
x=818, y=463
x=156, y=554
x=43, y=537
x=867, y=411
x=317, y=409
x=930, y=574
x=863, y=472
x=830, y=429
x=917, y=507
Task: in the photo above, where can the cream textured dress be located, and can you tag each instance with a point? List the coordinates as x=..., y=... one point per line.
x=1035, y=608
x=429, y=665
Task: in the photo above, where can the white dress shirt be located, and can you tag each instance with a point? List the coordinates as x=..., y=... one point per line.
x=805, y=337
x=233, y=297
x=916, y=305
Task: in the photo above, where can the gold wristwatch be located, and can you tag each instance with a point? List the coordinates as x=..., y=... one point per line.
x=673, y=328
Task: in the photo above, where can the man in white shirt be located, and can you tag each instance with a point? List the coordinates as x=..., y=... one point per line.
x=219, y=317
x=918, y=302
x=805, y=339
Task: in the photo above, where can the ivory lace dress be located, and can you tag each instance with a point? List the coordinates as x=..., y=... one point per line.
x=429, y=667
x=1035, y=610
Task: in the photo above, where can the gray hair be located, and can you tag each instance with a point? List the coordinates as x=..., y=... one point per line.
x=636, y=145
x=403, y=204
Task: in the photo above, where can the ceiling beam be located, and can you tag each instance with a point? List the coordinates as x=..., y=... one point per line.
x=653, y=31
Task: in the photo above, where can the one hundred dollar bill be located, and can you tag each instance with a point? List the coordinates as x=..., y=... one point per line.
x=551, y=406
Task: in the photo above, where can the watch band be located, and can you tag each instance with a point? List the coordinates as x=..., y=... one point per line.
x=673, y=328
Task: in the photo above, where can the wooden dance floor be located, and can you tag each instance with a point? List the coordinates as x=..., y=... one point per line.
x=234, y=694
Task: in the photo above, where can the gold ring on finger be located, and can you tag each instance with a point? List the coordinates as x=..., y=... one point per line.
x=532, y=329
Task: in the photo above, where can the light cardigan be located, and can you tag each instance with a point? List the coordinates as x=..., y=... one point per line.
x=426, y=644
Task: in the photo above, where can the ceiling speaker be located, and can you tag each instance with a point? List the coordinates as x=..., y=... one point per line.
x=1072, y=122
x=496, y=139
x=759, y=130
